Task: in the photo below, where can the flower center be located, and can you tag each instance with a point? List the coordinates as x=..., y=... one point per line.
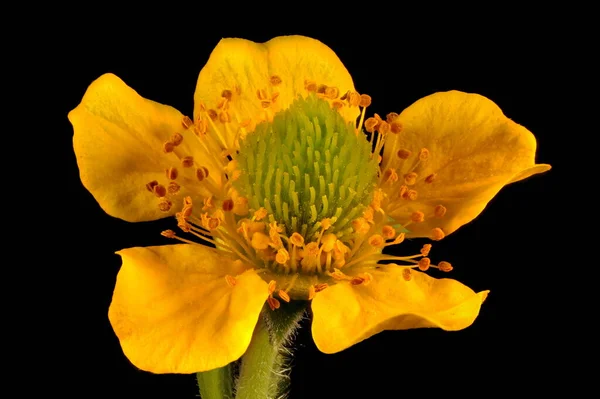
x=306, y=166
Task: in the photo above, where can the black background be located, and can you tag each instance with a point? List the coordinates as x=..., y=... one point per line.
x=512, y=346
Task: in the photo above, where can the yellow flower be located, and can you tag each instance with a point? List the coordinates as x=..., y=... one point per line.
x=274, y=170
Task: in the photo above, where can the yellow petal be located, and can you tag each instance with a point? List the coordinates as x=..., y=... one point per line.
x=174, y=312
x=245, y=68
x=118, y=142
x=346, y=314
x=474, y=150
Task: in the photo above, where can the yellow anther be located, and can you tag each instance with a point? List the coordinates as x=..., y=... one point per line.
x=440, y=211
x=273, y=303
x=187, y=162
x=362, y=278
x=275, y=80
x=425, y=250
x=417, y=217
x=213, y=223
x=339, y=250
x=398, y=239
x=395, y=127
x=201, y=173
x=168, y=147
x=224, y=117
x=176, y=139
x=383, y=127
x=445, y=266
x=429, y=179
x=390, y=175
x=186, y=122
x=150, y=186
x=282, y=256
x=332, y=92
x=297, y=239
x=391, y=117
x=437, y=234
x=369, y=213
x=410, y=178
x=311, y=292
x=159, y=190
x=260, y=214
x=326, y=223
x=173, y=188
x=240, y=206
x=274, y=97
x=328, y=242
x=165, y=205
x=378, y=197
x=231, y=281
x=260, y=240
x=227, y=94
x=168, y=234
x=371, y=124
x=337, y=104
x=311, y=249
x=171, y=173
x=272, y=286
x=320, y=287
x=404, y=153
x=424, y=154
x=201, y=126
x=407, y=274
x=403, y=192
x=212, y=114
x=353, y=99
x=228, y=205
x=424, y=264
x=321, y=88
x=208, y=203
x=361, y=226
x=265, y=103
x=283, y=295
x=376, y=241
x=365, y=100
x=388, y=232
x=412, y=195
x=338, y=275
x=310, y=85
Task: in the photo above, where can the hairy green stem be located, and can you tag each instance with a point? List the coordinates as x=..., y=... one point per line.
x=263, y=371
x=216, y=384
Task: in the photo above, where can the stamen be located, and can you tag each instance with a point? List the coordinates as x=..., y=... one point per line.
x=283, y=295
x=176, y=139
x=168, y=147
x=171, y=173
x=187, y=162
x=417, y=217
x=231, y=281
x=391, y=117
x=273, y=303
x=160, y=190
x=282, y=256
x=440, y=211
x=173, y=188
x=260, y=214
x=376, y=241
x=425, y=250
x=404, y=153
x=275, y=80
x=429, y=179
x=424, y=264
x=437, y=234
x=445, y=266
x=150, y=186
x=365, y=100
x=260, y=240
x=395, y=127
x=187, y=122
x=406, y=274
x=228, y=205
x=424, y=154
x=410, y=179
x=388, y=232
x=227, y=94
x=297, y=240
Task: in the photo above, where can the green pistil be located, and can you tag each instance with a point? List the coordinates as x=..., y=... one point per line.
x=307, y=165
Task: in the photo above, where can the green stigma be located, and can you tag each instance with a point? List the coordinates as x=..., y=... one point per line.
x=306, y=165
